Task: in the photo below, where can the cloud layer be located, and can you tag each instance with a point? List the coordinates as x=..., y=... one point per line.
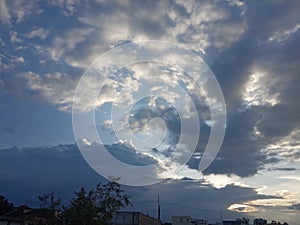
x=250, y=46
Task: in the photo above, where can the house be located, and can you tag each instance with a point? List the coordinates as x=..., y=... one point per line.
x=187, y=220
x=24, y=215
x=133, y=218
x=260, y=221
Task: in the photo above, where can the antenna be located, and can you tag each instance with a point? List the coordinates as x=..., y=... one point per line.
x=158, y=208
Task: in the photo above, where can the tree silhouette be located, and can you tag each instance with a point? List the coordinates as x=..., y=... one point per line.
x=110, y=198
x=51, y=208
x=49, y=201
x=82, y=209
x=5, y=205
x=97, y=205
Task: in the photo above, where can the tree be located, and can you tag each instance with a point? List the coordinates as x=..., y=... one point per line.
x=82, y=209
x=50, y=208
x=96, y=207
x=5, y=205
x=49, y=201
x=110, y=198
x=245, y=220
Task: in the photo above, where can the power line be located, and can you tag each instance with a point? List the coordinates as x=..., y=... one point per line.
x=175, y=205
x=182, y=206
x=188, y=207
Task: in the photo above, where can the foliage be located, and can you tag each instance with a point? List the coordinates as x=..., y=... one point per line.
x=82, y=210
x=97, y=205
x=5, y=205
x=245, y=220
x=49, y=201
x=88, y=207
x=50, y=208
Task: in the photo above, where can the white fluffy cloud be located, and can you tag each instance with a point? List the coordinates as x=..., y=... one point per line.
x=20, y=60
x=260, y=89
x=284, y=34
x=57, y=88
x=68, y=6
x=17, y=11
x=40, y=33
x=286, y=148
x=66, y=42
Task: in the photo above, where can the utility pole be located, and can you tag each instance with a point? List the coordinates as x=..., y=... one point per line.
x=158, y=208
x=221, y=217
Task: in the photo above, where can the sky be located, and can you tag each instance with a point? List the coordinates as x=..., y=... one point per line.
x=210, y=65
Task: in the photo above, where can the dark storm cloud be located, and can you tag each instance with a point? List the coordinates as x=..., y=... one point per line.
x=207, y=201
x=61, y=169
x=264, y=39
x=295, y=206
x=142, y=113
x=261, y=35
x=241, y=153
x=282, y=169
x=9, y=130
x=295, y=156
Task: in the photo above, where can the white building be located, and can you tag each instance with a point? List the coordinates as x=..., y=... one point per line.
x=187, y=220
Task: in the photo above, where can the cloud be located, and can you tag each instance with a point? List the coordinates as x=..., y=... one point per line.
x=294, y=207
x=286, y=148
x=250, y=47
x=205, y=198
x=259, y=90
x=1, y=85
x=197, y=31
x=106, y=124
x=68, y=6
x=13, y=12
x=200, y=30
x=75, y=173
x=251, y=73
x=66, y=42
x=40, y=33
x=20, y=60
x=9, y=130
x=242, y=208
x=255, y=63
x=282, y=168
x=283, y=35
x=57, y=88
x=14, y=37
x=5, y=16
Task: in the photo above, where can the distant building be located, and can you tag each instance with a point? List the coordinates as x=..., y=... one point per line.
x=187, y=220
x=260, y=221
x=242, y=221
x=277, y=223
x=133, y=218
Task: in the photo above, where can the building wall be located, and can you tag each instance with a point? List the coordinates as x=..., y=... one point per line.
x=147, y=220
x=231, y=223
x=126, y=218
x=11, y=223
x=235, y=222
x=187, y=220
x=181, y=220
x=201, y=222
x=133, y=218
